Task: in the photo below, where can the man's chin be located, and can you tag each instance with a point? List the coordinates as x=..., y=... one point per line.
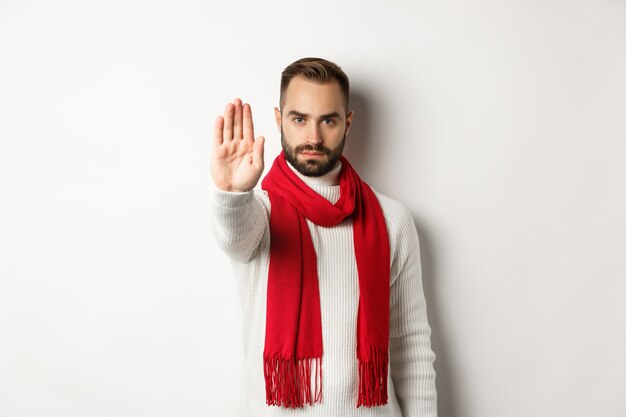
x=312, y=167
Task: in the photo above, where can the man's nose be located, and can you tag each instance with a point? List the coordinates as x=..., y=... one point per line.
x=314, y=135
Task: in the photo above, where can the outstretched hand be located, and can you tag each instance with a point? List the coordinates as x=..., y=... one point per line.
x=237, y=158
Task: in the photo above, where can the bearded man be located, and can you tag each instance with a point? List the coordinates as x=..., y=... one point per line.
x=328, y=269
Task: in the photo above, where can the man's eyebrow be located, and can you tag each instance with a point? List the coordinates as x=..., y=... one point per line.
x=297, y=113
x=304, y=115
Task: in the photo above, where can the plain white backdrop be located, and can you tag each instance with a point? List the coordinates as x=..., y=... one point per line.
x=500, y=124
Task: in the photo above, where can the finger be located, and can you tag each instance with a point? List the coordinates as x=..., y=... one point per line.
x=248, y=125
x=238, y=123
x=228, y=122
x=257, y=152
x=218, y=131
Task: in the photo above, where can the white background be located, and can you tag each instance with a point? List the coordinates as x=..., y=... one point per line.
x=500, y=124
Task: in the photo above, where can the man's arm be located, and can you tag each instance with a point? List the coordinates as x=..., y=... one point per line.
x=239, y=219
x=411, y=357
x=239, y=222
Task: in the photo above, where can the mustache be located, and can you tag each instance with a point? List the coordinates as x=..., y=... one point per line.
x=311, y=148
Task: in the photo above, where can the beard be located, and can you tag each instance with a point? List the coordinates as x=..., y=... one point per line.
x=312, y=167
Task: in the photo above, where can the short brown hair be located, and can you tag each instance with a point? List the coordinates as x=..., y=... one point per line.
x=317, y=70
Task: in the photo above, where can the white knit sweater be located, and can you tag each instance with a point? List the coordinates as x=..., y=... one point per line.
x=241, y=227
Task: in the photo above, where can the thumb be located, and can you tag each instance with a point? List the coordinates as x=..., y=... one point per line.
x=257, y=152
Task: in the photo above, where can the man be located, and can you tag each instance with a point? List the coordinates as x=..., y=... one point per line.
x=328, y=270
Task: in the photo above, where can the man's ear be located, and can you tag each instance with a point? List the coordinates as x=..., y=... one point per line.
x=278, y=119
x=349, y=117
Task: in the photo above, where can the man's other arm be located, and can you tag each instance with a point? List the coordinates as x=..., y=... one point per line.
x=411, y=357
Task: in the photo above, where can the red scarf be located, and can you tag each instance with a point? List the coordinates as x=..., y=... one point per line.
x=293, y=332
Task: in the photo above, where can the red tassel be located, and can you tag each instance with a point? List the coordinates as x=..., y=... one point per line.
x=288, y=381
x=373, y=379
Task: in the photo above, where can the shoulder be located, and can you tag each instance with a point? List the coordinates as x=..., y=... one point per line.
x=403, y=239
x=398, y=217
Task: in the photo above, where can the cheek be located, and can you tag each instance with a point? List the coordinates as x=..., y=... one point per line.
x=336, y=135
x=294, y=132
x=291, y=135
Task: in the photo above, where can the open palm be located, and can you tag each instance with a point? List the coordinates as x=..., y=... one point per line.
x=237, y=158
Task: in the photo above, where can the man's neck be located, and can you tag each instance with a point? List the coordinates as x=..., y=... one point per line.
x=330, y=178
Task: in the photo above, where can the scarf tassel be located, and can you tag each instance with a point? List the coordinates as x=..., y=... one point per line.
x=373, y=379
x=288, y=381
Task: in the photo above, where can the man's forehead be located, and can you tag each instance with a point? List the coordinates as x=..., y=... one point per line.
x=302, y=94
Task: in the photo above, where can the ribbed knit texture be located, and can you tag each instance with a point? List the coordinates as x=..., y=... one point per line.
x=241, y=227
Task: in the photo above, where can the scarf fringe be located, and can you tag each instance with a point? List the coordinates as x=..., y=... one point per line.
x=288, y=381
x=373, y=379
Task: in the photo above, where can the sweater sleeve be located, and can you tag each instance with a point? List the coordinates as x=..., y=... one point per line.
x=410, y=354
x=239, y=222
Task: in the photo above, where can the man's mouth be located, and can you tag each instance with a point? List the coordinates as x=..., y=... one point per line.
x=312, y=153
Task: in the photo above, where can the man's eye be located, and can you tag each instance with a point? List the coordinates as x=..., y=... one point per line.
x=328, y=121
x=298, y=119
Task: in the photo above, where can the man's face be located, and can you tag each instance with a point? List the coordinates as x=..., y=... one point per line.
x=313, y=125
